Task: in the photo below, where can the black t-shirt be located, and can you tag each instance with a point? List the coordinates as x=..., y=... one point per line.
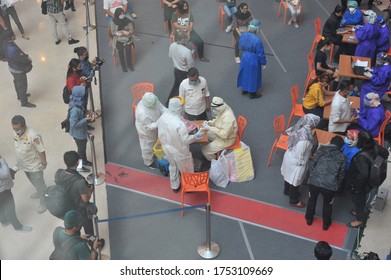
x=321, y=57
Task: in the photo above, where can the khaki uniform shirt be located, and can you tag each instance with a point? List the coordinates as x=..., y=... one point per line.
x=27, y=149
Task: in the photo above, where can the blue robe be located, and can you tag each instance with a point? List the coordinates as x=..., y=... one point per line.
x=349, y=152
x=352, y=19
x=371, y=118
x=366, y=37
x=379, y=83
x=253, y=57
x=383, y=41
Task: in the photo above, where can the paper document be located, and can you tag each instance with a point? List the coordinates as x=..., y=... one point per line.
x=361, y=63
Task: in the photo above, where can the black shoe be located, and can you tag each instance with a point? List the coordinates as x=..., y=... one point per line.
x=124, y=69
x=153, y=165
x=253, y=96
x=87, y=163
x=89, y=127
x=309, y=221
x=29, y=105
x=27, y=94
x=58, y=42
x=131, y=68
x=83, y=169
x=244, y=92
x=73, y=9
x=73, y=41
x=176, y=190
x=325, y=227
x=67, y=5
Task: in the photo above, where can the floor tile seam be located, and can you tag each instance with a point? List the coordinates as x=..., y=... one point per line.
x=246, y=241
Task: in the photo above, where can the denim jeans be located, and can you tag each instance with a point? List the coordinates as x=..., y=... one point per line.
x=229, y=11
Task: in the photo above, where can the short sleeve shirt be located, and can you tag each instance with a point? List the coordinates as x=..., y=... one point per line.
x=183, y=20
x=194, y=96
x=27, y=148
x=112, y=5
x=79, y=251
x=340, y=110
x=321, y=57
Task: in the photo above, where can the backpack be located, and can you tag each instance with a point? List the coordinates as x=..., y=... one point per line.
x=57, y=198
x=60, y=251
x=378, y=171
x=66, y=95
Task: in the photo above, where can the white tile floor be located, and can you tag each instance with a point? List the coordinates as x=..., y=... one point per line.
x=46, y=81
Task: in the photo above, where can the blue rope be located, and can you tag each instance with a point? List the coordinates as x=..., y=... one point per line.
x=150, y=214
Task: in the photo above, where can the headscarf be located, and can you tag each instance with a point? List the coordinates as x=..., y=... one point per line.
x=78, y=96
x=254, y=25
x=369, y=16
x=381, y=58
x=149, y=100
x=239, y=14
x=302, y=130
x=352, y=137
x=372, y=99
x=121, y=23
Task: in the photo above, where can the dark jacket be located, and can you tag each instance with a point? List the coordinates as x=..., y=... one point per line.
x=15, y=57
x=358, y=173
x=330, y=29
x=328, y=169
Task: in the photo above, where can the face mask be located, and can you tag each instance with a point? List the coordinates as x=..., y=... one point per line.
x=367, y=102
x=379, y=63
x=346, y=140
x=244, y=12
x=20, y=131
x=351, y=10
x=121, y=16
x=214, y=112
x=86, y=57
x=192, y=83
x=78, y=70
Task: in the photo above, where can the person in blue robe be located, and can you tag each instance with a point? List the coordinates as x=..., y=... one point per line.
x=353, y=15
x=372, y=117
x=383, y=41
x=366, y=36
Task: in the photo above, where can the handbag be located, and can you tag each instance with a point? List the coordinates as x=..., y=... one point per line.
x=44, y=7
x=241, y=167
x=219, y=170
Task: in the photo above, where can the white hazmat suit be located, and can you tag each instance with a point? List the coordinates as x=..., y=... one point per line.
x=175, y=140
x=148, y=111
x=222, y=130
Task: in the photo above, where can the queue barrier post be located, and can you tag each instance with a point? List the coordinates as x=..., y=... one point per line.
x=208, y=249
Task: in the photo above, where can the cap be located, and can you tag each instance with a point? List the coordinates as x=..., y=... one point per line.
x=254, y=25
x=380, y=20
x=352, y=4
x=217, y=102
x=72, y=219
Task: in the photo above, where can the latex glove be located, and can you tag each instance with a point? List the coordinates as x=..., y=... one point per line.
x=199, y=135
x=367, y=69
x=205, y=124
x=368, y=74
x=263, y=67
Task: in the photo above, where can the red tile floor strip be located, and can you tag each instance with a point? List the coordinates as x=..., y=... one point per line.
x=248, y=210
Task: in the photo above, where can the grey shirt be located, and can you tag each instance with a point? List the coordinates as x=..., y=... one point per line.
x=181, y=56
x=6, y=182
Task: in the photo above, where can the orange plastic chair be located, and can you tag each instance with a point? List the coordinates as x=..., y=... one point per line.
x=297, y=109
x=161, y=4
x=138, y=91
x=242, y=123
x=332, y=49
x=194, y=182
x=281, y=141
x=221, y=14
x=311, y=72
x=284, y=4
x=380, y=137
x=318, y=27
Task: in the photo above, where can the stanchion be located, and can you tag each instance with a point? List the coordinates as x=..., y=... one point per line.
x=91, y=3
x=209, y=249
x=94, y=178
x=88, y=25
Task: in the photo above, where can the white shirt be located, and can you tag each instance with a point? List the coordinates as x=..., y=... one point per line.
x=112, y=5
x=340, y=110
x=181, y=56
x=27, y=148
x=194, y=96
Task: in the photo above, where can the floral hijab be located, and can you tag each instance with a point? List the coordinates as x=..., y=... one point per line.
x=302, y=130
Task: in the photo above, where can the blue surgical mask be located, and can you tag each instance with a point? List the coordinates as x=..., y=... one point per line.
x=346, y=140
x=192, y=83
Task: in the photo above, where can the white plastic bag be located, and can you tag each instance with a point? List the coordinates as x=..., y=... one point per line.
x=219, y=171
x=241, y=167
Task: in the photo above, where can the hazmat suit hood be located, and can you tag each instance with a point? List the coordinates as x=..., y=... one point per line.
x=175, y=106
x=149, y=100
x=218, y=105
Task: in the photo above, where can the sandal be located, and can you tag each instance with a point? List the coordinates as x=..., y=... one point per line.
x=353, y=213
x=300, y=204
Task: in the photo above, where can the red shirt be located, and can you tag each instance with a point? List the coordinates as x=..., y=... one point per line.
x=73, y=80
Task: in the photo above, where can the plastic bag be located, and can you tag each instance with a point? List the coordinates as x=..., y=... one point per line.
x=219, y=171
x=241, y=167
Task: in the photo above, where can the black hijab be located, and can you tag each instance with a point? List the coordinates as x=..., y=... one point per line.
x=239, y=14
x=121, y=23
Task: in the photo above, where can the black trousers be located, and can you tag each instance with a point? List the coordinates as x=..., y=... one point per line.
x=293, y=192
x=199, y=117
x=87, y=223
x=20, y=84
x=196, y=39
x=327, y=209
x=179, y=77
x=7, y=209
x=236, y=36
x=81, y=148
x=125, y=55
x=12, y=12
x=359, y=201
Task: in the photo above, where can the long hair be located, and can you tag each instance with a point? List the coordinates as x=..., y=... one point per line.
x=321, y=78
x=72, y=64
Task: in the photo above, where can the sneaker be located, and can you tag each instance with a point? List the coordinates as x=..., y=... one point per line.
x=24, y=36
x=153, y=165
x=29, y=105
x=83, y=169
x=87, y=163
x=35, y=196
x=67, y=5
x=131, y=68
x=204, y=59
x=290, y=22
x=42, y=208
x=73, y=41
x=58, y=42
x=228, y=29
x=295, y=25
x=237, y=60
x=134, y=15
x=25, y=228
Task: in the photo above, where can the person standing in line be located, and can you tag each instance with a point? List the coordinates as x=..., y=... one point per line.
x=175, y=140
x=182, y=59
x=194, y=90
x=294, y=164
x=148, y=112
x=56, y=15
x=7, y=202
x=240, y=22
x=253, y=61
x=323, y=251
x=30, y=157
x=11, y=11
x=357, y=177
x=326, y=176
